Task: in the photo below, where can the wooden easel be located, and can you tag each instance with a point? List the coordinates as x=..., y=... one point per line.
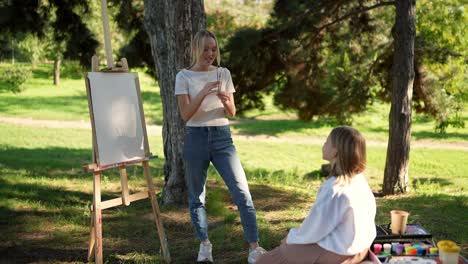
x=95, y=240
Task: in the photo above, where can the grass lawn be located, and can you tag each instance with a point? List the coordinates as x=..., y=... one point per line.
x=42, y=100
x=44, y=195
x=44, y=198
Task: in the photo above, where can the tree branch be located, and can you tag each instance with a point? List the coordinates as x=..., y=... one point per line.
x=362, y=10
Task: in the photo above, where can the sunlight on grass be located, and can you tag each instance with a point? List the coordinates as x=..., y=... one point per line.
x=43, y=100
x=45, y=196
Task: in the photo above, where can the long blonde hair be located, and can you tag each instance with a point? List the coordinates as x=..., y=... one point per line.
x=351, y=153
x=198, y=45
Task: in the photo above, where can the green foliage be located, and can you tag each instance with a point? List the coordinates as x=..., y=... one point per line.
x=440, y=85
x=442, y=66
x=224, y=18
x=35, y=19
x=321, y=65
x=443, y=25
x=223, y=24
x=14, y=77
x=318, y=71
x=453, y=121
x=72, y=70
x=30, y=49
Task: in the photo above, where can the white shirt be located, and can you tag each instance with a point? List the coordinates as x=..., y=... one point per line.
x=211, y=111
x=341, y=220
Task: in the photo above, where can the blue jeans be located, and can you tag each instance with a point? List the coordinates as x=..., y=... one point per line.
x=214, y=144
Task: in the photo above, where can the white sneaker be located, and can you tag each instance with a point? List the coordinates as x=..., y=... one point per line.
x=255, y=253
x=205, y=255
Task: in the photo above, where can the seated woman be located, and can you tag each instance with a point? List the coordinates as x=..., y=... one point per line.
x=340, y=226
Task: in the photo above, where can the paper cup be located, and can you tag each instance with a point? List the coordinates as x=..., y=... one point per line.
x=448, y=252
x=399, y=219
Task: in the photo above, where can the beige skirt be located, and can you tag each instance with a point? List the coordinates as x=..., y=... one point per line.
x=307, y=254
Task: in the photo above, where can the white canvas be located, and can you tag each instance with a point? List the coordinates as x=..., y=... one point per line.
x=117, y=118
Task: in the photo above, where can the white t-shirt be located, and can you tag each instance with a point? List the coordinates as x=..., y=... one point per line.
x=211, y=110
x=342, y=220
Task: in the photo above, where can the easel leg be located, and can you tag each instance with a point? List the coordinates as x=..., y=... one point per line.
x=97, y=217
x=156, y=213
x=124, y=183
x=92, y=239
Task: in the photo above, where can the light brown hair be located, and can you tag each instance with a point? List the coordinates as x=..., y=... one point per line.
x=198, y=45
x=351, y=153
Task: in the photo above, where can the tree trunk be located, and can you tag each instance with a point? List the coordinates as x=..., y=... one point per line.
x=396, y=167
x=57, y=62
x=170, y=26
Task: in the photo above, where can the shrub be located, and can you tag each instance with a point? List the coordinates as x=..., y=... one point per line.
x=13, y=78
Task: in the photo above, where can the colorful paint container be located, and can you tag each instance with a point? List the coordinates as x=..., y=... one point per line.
x=399, y=249
x=394, y=245
x=433, y=251
x=377, y=248
x=387, y=248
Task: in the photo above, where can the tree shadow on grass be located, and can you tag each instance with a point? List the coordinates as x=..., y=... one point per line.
x=435, y=135
x=276, y=127
x=68, y=70
x=53, y=162
x=42, y=73
x=418, y=135
x=230, y=245
x=59, y=163
x=57, y=231
x=54, y=230
x=54, y=197
x=439, y=181
x=19, y=254
x=28, y=233
x=76, y=104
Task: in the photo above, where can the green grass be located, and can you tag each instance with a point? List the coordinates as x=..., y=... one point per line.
x=373, y=124
x=44, y=197
x=43, y=100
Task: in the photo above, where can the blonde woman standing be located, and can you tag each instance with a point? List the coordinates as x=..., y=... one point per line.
x=205, y=96
x=340, y=226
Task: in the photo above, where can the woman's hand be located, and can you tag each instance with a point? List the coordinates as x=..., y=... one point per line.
x=224, y=97
x=209, y=88
x=228, y=102
x=188, y=107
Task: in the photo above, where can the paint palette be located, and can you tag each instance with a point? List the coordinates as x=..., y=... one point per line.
x=413, y=231
x=411, y=260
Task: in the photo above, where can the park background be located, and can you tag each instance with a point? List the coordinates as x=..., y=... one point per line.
x=45, y=138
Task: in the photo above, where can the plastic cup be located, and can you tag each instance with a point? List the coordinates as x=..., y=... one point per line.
x=448, y=252
x=387, y=248
x=433, y=251
x=420, y=250
x=407, y=250
x=399, y=220
x=377, y=248
x=399, y=249
x=394, y=245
